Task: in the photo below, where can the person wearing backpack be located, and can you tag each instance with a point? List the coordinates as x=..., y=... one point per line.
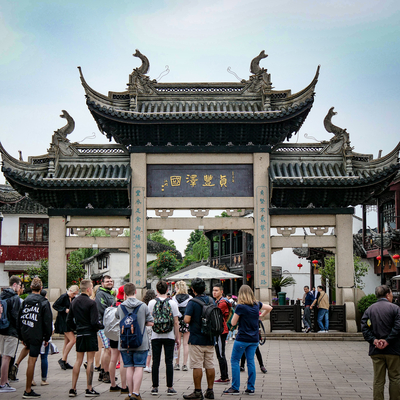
x=201, y=344
x=83, y=317
x=134, y=316
x=8, y=334
x=35, y=325
x=226, y=308
x=165, y=334
x=182, y=298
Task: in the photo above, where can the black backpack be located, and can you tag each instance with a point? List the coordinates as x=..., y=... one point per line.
x=212, y=320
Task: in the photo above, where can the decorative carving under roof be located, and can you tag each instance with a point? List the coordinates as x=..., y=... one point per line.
x=150, y=114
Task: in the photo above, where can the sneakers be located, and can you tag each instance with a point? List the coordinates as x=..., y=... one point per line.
x=241, y=369
x=263, y=370
x=85, y=364
x=101, y=375
x=249, y=392
x=72, y=393
x=30, y=395
x=12, y=375
x=147, y=369
x=177, y=367
x=97, y=369
x=125, y=390
x=91, y=393
x=136, y=397
x=6, y=388
x=115, y=388
x=209, y=394
x=194, y=396
x=154, y=391
x=307, y=330
x=222, y=381
x=62, y=364
x=185, y=368
x=231, y=391
x=68, y=366
x=106, y=377
x=171, y=392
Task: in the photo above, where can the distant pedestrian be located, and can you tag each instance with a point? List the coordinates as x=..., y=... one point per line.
x=9, y=335
x=165, y=335
x=380, y=326
x=322, y=302
x=247, y=314
x=201, y=346
x=83, y=317
x=308, y=299
x=35, y=325
x=62, y=305
x=135, y=358
x=182, y=298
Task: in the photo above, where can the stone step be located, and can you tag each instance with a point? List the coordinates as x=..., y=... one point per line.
x=330, y=336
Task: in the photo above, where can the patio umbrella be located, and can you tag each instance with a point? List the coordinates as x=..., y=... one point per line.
x=202, y=272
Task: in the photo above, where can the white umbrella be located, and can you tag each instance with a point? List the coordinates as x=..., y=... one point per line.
x=396, y=278
x=202, y=272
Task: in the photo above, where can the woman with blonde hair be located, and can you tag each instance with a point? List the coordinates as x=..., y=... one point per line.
x=247, y=314
x=62, y=305
x=182, y=299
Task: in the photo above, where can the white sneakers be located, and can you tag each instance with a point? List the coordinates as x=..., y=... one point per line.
x=147, y=369
x=6, y=388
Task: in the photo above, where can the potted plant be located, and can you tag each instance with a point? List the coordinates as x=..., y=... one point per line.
x=287, y=301
x=274, y=301
x=278, y=283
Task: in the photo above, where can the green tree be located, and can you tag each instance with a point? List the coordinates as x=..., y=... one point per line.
x=165, y=263
x=194, y=237
x=360, y=270
x=41, y=272
x=160, y=238
x=201, y=249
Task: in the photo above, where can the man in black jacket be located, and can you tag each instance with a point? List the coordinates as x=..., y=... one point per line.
x=9, y=336
x=83, y=317
x=380, y=326
x=34, y=327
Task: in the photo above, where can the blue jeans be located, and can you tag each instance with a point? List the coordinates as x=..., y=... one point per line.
x=323, y=314
x=44, y=362
x=238, y=349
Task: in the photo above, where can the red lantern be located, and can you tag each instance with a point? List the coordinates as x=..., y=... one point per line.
x=235, y=233
x=173, y=283
x=379, y=258
x=224, y=236
x=315, y=263
x=396, y=258
x=299, y=265
x=248, y=276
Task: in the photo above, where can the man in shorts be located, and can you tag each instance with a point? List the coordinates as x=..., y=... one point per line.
x=135, y=359
x=104, y=299
x=83, y=317
x=9, y=336
x=201, y=347
x=35, y=326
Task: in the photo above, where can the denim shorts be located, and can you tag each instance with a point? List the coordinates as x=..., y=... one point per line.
x=134, y=358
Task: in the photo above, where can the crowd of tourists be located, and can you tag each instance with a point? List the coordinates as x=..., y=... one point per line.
x=112, y=330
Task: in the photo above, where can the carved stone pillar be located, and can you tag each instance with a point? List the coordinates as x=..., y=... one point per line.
x=57, y=257
x=138, y=226
x=345, y=268
x=262, y=243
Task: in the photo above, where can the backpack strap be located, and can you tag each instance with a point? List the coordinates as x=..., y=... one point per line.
x=123, y=308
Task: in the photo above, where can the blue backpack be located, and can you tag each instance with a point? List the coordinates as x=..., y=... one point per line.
x=4, y=321
x=130, y=335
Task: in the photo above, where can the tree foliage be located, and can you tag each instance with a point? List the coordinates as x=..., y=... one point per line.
x=360, y=270
x=41, y=272
x=165, y=263
x=194, y=237
x=365, y=302
x=160, y=238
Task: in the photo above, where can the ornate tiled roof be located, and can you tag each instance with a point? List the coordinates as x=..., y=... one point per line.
x=304, y=175
x=11, y=202
x=147, y=114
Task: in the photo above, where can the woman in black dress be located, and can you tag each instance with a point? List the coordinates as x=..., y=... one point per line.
x=62, y=306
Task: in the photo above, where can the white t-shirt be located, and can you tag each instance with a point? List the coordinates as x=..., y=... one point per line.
x=175, y=313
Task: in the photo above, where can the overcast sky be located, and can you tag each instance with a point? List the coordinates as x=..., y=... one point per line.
x=42, y=42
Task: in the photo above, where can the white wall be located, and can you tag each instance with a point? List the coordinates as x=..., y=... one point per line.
x=10, y=230
x=118, y=267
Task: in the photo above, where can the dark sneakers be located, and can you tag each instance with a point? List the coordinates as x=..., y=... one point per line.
x=249, y=392
x=62, y=364
x=194, y=396
x=209, y=394
x=154, y=391
x=30, y=395
x=171, y=392
x=115, y=388
x=91, y=393
x=68, y=366
x=263, y=370
x=125, y=390
x=72, y=393
x=12, y=375
x=231, y=391
x=223, y=381
x=106, y=377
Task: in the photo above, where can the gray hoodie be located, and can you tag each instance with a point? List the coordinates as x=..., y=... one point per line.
x=143, y=316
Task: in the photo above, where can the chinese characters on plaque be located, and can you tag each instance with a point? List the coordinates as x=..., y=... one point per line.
x=139, y=240
x=200, y=180
x=262, y=233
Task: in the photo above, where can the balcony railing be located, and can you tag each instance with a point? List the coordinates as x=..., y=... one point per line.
x=23, y=253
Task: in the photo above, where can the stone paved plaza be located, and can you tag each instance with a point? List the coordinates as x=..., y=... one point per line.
x=297, y=369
